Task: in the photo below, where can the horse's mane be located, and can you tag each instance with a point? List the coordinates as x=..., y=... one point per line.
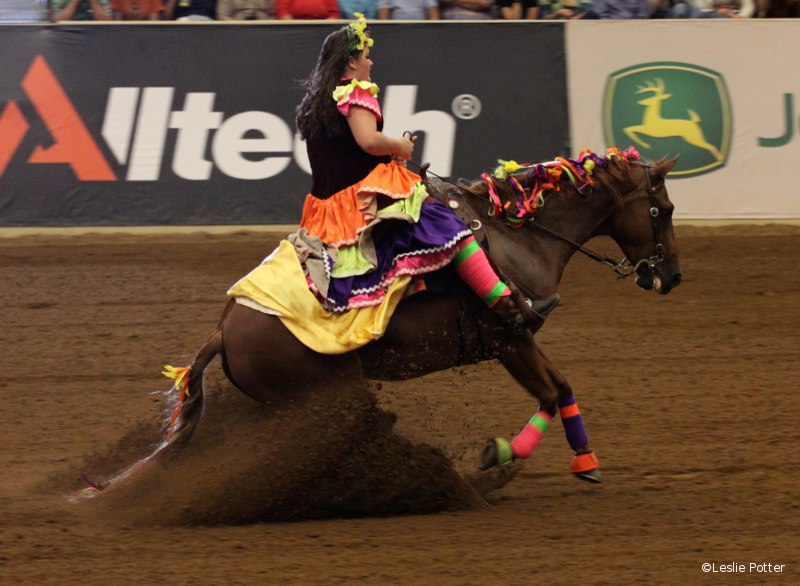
x=519, y=191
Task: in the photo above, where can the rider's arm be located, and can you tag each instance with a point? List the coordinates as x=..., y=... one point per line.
x=364, y=127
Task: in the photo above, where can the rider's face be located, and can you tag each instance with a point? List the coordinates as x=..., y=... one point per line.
x=361, y=66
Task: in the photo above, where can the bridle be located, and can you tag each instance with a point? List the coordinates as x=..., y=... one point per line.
x=624, y=268
x=645, y=267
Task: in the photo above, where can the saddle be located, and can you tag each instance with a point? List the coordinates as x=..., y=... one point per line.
x=452, y=196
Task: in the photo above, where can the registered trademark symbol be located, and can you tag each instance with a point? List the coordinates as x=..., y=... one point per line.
x=466, y=106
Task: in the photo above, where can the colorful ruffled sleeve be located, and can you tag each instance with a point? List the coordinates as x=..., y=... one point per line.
x=357, y=93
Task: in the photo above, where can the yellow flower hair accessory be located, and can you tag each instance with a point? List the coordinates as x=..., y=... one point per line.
x=358, y=38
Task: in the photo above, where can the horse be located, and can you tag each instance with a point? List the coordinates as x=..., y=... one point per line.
x=531, y=218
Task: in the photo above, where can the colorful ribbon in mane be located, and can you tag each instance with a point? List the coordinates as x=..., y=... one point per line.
x=530, y=182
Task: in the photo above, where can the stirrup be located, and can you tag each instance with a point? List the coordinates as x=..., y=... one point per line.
x=533, y=313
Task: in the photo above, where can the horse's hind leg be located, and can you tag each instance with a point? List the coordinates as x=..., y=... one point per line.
x=526, y=364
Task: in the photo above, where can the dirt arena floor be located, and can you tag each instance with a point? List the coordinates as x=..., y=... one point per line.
x=691, y=401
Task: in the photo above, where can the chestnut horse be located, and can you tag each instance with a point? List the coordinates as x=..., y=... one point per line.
x=531, y=221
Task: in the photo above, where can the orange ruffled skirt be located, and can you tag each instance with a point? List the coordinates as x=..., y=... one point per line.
x=339, y=220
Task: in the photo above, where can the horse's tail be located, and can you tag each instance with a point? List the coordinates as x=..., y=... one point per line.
x=190, y=403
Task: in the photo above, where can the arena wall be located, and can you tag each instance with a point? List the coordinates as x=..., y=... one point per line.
x=191, y=124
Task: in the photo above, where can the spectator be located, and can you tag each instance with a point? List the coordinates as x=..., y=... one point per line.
x=64, y=10
x=519, y=9
x=663, y=8
x=620, y=9
x=408, y=10
x=24, y=11
x=191, y=9
x=348, y=8
x=778, y=8
x=727, y=8
x=467, y=9
x=137, y=9
x=712, y=9
x=568, y=9
x=306, y=9
x=245, y=10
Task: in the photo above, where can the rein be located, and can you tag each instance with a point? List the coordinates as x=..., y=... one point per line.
x=623, y=268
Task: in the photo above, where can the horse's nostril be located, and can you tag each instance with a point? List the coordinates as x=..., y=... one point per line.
x=676, y=279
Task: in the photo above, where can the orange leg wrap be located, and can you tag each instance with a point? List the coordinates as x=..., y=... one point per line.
x=584, y=463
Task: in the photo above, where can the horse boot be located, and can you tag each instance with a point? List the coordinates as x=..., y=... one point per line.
x=523, y=311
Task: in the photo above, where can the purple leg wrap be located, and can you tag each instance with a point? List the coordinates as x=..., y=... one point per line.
x=575, y=432
x=572, y=420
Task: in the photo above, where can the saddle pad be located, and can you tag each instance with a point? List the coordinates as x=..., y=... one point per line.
x=278, y=287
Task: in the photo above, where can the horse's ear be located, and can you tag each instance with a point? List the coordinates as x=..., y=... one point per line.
x=665, y=165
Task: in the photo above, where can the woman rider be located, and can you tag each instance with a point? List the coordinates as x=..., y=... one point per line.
x=371, y=213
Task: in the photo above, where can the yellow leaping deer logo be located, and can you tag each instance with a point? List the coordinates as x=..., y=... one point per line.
x=656, y=126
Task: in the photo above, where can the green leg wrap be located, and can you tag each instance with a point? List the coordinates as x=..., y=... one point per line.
x=504, y=452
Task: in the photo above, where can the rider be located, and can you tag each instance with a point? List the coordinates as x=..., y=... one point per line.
x=368, y=209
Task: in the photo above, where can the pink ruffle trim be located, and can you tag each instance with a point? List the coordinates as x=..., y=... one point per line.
x=417, y=264
x=360, y=97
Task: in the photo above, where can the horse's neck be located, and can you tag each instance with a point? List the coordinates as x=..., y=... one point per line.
x=536, y=259
x=530, y=257
x=575, y=217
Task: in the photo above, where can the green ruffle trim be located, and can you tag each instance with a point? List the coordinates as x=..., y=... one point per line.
x=351, y=261
x=406, y=209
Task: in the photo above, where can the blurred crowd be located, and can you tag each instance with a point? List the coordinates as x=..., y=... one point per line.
x=207, y=10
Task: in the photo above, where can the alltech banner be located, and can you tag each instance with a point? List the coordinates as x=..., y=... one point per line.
x=723, y=95
x=186, y=124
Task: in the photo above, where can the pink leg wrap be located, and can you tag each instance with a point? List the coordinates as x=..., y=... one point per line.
x=524, y=444
x=474, y=269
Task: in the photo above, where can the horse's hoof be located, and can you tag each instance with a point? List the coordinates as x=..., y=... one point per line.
x=496, y=452
x=495, y=478
x=593, y=476
x=586, y=467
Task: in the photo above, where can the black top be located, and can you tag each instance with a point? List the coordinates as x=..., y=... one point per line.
x=337, y=163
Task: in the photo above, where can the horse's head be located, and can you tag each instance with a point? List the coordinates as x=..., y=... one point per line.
x=641, y=224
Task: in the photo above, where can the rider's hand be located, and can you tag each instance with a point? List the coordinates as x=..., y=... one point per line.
x=406, y=148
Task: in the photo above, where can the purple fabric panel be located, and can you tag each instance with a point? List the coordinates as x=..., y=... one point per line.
x=438, y=228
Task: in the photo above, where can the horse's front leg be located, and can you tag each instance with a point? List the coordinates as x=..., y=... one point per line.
x=584, y=464
x=530, y=367
x=521, y=357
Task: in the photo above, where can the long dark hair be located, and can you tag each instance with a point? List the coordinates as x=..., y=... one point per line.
x=317, y=115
